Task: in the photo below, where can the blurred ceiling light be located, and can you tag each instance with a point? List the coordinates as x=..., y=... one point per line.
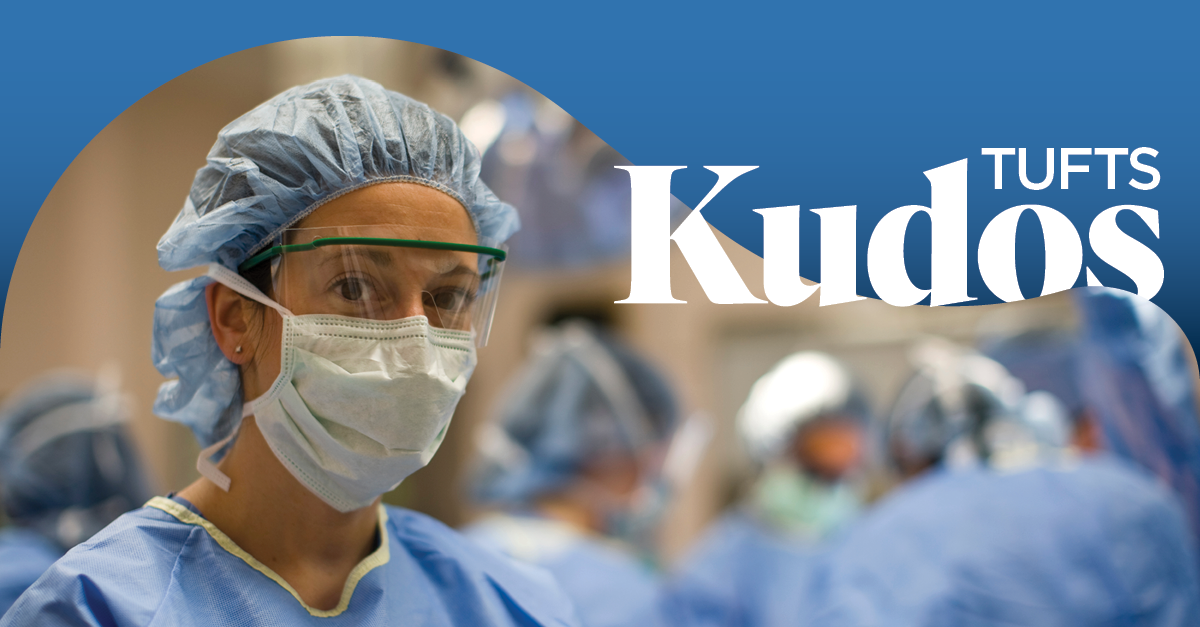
x=482, y=123
x=518, y=149
x=550, y=119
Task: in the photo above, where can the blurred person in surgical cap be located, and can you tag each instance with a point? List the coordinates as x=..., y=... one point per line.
x=67, y=469
x=1135, y=377
x=1127, y=382
x=1000, y=522
x=803, y=426
x=573, y=464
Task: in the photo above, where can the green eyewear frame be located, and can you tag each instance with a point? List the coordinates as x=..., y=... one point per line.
x=275, y=251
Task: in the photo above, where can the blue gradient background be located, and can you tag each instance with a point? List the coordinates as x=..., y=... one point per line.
x=838, y=105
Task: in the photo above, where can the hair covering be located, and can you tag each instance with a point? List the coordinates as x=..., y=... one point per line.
x=961, y=408
x=797, y=390
x=580, y=395
x=67, y=467
x=1136, y=378
x=269, y=169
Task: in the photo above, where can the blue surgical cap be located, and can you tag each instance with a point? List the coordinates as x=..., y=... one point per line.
x=581, y=395
x=269, y=169
x=67, y=465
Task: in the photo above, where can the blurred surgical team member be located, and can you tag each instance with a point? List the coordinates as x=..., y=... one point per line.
x=1141, y=388
x=803, y=426
x=1125, y=377
x=1000, y=524
x=67, y=469
x=573, y=460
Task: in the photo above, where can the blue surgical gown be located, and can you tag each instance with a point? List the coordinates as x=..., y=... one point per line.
x=606, y=582
x=164, y=564
x=722, y=580
x=1092, y=542
x=24, y=556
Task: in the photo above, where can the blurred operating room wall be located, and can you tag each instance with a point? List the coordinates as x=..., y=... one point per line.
x=83, y=289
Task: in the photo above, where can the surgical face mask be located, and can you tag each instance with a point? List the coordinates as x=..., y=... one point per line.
x=797, y=504
x=637, y=524
x=359, y=404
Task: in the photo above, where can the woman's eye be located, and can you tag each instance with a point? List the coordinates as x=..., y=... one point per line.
x=450, y=300
x=352, y=289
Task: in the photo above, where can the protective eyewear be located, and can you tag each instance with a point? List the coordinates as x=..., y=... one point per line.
x=385, y=272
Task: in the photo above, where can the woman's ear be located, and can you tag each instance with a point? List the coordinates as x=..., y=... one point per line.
x=227, y=316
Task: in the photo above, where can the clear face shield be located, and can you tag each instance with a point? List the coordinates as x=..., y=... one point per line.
x=385, y=272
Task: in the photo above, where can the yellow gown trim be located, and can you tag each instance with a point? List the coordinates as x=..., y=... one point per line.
x=378, y=558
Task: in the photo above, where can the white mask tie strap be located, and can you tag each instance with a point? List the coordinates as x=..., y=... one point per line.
x=208, y=469
x=235, y=282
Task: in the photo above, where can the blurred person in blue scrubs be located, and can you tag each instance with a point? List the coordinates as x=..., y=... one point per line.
x=803, y=426
x=1001, y=521
x=1141, y=387
x=1127, y=382
x=353, y=259
x=573, y=464
x=67, y=469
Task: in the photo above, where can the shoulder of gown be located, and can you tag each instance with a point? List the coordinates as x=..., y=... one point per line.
x=138, y=551
x=451, y=560
x=134, y=569
x=24, y=555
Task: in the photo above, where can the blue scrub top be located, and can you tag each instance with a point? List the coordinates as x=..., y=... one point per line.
x=24, y=556
x=164, y=564
x=607, y=583
x=1094, y=542
x=723, y=579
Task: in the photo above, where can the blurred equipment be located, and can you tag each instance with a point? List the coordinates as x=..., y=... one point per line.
x=67, y=469
x=574, y=203
x=1048, y=361
x=802, y=425
x=1000, y=523
x=575, y=460
x=1136, y=378
x=962, y=409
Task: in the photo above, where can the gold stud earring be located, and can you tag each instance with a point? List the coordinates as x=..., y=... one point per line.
x=238, y=350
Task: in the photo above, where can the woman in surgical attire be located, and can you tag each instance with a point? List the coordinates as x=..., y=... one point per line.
x=353, y=258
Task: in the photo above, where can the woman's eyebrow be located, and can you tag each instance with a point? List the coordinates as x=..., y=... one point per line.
x=375, y=255
x=460, y=270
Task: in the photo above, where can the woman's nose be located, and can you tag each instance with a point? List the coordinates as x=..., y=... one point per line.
x=412, y=304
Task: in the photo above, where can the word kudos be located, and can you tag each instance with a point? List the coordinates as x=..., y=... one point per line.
x=947, y=210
